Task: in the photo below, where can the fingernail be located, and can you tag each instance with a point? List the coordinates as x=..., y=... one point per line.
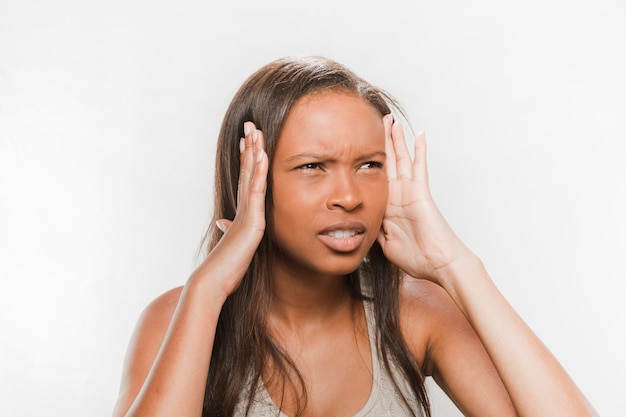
x=254, y=135
x=242, y=144
x=220, y=226
x=259, y=155
x=247, y=128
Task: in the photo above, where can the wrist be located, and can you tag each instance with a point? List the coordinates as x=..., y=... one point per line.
x=203, y=282
x=463, y=268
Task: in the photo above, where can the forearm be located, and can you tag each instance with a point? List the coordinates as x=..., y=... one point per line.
x=168, y=362
x=536, y=382
x=177, y=379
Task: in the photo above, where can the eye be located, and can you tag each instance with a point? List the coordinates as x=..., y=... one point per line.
x=310, y=167
x=371, y=165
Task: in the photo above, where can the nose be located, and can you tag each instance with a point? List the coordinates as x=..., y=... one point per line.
x=345, y=193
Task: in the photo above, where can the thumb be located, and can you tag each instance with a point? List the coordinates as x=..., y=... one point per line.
x=223, y=224
x=382, y=237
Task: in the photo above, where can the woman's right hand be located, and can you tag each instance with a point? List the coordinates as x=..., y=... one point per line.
x=243, y=234
x=168, y=359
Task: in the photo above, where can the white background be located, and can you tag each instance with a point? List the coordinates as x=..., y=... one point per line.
x=108, y=117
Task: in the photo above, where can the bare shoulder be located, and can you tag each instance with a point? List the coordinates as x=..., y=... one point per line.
x=144, y=346
x=152, y=326
x=451, y=351
x=161, y=308
x=426, y=314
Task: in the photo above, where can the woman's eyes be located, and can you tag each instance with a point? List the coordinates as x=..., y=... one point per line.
x=313, y=166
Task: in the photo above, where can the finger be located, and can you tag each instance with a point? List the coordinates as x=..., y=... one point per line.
x=259, y=140
x=223, y=224
x=420, y=168
x=382, y=235
x=381, y=239
x=403, y=158
x=258, y=185
x=242, y=148
x=390, y=163
x=248, y=163
x=255, y=203
x=259, y=180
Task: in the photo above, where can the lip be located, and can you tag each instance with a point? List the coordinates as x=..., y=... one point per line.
x=343, y=244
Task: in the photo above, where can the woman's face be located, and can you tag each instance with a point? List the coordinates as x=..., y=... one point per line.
x=329, y=183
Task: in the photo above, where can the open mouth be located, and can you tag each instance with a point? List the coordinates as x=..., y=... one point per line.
x=342, y=233
x=343, y=237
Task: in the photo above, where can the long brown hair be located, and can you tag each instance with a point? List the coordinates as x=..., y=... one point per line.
x=242, y=347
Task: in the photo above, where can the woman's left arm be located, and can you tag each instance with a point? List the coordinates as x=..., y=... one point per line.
x=416, y=237
x=448, y=349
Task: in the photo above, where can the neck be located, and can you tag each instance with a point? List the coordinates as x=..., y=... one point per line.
x=302, y=301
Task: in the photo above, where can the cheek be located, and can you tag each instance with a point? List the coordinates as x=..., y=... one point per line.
x=380, y=193
x=288, y=193
x=292, y=204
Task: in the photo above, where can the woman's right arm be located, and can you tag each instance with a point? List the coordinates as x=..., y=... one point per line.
x=168, y=359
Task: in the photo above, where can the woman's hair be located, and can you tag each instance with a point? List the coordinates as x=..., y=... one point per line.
x=243, y=348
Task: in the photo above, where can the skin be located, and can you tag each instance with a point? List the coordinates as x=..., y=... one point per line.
x=329, y=162
x=334, y=156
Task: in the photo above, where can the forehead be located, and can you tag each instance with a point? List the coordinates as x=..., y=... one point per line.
x=331, y=120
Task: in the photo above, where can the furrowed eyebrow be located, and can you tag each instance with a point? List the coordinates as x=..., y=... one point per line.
x=307, y=156
x=373, y=154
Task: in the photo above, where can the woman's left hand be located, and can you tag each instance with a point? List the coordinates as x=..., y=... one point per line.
x=414, y=235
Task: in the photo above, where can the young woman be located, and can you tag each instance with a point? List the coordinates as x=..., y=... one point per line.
x=332, y=284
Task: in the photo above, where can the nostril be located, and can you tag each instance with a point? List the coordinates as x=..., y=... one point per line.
x=345, y=194
x=348, y=203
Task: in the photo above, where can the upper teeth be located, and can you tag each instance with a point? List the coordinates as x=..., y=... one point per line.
x=342, y=233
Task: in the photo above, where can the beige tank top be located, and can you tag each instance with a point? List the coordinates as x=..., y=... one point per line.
x=384, y=400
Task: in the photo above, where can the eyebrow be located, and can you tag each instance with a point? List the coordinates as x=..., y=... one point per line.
x=322, y=157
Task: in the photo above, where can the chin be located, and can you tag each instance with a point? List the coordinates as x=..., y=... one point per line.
x=341, y=267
